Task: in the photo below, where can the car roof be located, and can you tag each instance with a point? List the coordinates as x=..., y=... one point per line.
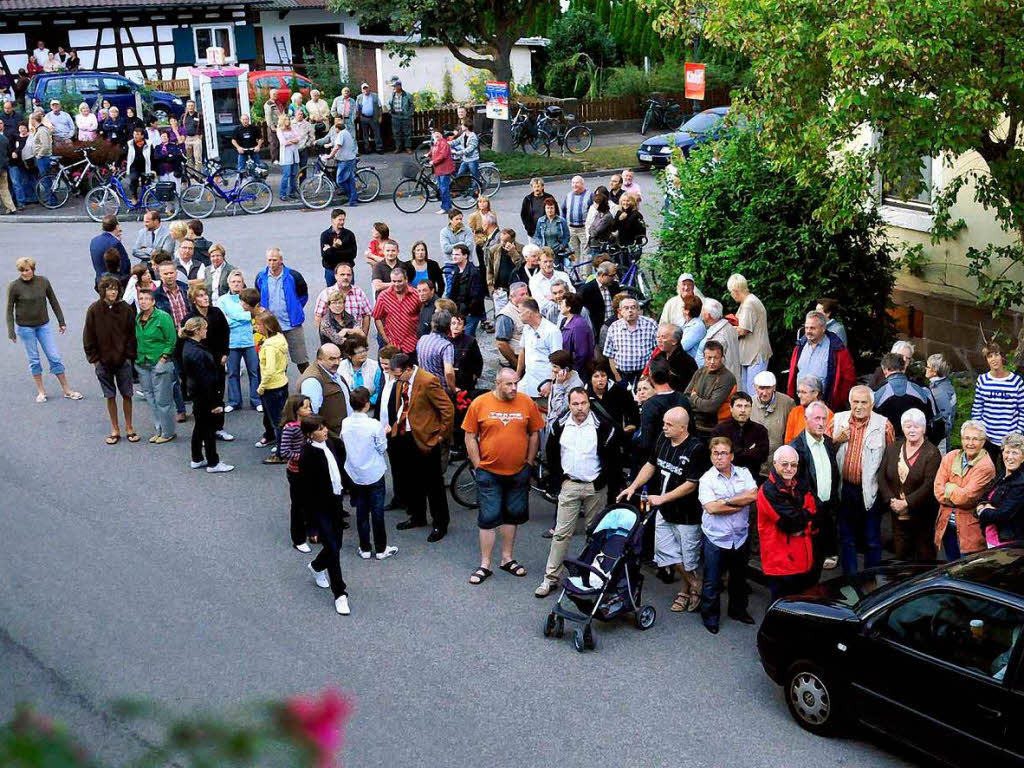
x=78, y=73
x=1000, y=569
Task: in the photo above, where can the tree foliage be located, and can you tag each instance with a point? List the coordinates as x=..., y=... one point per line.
x=570, y=72
x=734, y=212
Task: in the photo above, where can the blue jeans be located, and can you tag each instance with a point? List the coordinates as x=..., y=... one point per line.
x=472, y=321
x=252, y=368
x=273, y=404
x=346, y=180
x=24, y=184
x=716, y=562
x=157, y=383
x=856, y=522
x=35, y=336
x=369, y=504
x=472, y=166
x=444, y=184
x=504, y=499
x=289, y=177
x=747, y=374
x=448, y=270
x=329, y=277
x=43, y=166
x=245, y=157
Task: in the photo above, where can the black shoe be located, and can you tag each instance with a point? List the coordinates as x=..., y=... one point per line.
x=712, y=628
x=405, y=525
x=436, y=535
x=743, y=618
x=666, y=575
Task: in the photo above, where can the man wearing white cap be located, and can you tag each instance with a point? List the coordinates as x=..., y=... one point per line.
x=62, y=122
x=368, y=110
x=402, y=110
x=673, y=311
x=771, y=410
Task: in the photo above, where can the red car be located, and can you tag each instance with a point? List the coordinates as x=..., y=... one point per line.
x=264, y=80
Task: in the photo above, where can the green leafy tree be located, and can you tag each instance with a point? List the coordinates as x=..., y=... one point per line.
x=735, y=212
x=571, y=72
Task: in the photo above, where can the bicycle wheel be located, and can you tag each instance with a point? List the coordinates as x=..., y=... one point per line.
x=465, y=191
x=578, y=139
x=102, y=201
x=367, y=185
x=53, y=190
x=317, y=191
x=411, y=196
x=536, y=145
x=167, y=209
x=648, y=119
x=197, y=201
x=463, y=486
x=490, y=181
x=255, y=197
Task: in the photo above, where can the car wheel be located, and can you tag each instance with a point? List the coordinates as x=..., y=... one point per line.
x=813, y=698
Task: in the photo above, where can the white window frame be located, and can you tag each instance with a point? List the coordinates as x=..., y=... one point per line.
x=201, y=55
x=911, y=215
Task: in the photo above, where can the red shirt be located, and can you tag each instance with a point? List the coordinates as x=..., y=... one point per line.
x=400, y=317
x=441, y=159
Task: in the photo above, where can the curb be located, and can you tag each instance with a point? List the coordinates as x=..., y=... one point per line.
x=78, y=218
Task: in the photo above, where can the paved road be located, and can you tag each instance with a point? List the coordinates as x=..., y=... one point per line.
x=126, y=573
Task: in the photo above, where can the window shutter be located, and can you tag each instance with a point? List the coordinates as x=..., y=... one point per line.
x=245, y=42
x=184, y=47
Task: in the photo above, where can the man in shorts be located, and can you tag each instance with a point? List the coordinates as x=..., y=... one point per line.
x=110, y=345
x=674, y=468
x=502, y=437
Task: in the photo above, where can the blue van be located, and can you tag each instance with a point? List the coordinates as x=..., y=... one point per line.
x=97, y=86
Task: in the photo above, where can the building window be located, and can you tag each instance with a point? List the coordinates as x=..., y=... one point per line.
x=218, y=36
x=893, y=193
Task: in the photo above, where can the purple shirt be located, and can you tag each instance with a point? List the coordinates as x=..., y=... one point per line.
x=578, y=339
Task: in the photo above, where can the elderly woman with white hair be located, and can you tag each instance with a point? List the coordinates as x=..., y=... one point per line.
x=808, y=390
x=785, y=508
x=1002, y=513
x=962, y=480
x=722, y=331
x=752, y=329
x=905, y=483
x=937, y=371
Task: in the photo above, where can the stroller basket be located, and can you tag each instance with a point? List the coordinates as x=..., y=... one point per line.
x=165, y=191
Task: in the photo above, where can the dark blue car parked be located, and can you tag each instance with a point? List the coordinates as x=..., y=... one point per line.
x=97, y=86
x=703, y=126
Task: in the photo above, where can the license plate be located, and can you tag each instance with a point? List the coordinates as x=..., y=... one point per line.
x=645, y=157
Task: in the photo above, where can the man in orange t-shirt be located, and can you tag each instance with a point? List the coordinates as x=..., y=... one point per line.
x=502, y=437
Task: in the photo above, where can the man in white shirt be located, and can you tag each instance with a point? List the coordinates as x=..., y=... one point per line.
x=217, y=273
x=41, y=54
x=540, y=283
x=540, y=339
x=154, y=236
x=189, y=267
x=726, y=493
x=365, y=445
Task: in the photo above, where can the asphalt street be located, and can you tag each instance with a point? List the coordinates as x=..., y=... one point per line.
x=126, y=573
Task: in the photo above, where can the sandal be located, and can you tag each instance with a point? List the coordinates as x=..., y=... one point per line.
x=481, y=575
x=113, y=439
x=40, y=398
x=514, y=568
x=694, y=603
x=681, y=603
x=132, y=437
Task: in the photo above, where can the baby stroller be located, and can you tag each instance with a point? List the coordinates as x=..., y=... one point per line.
x=605, y=581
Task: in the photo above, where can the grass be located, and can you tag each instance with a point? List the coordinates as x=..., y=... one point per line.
x=516, y=165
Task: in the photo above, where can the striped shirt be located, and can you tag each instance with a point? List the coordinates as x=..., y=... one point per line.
x=999, y=405
x=853, y=469
x=290, y=445
x=432, y=352
x=575, y=207
x=400, y=316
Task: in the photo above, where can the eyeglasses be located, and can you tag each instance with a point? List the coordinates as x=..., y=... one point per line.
x=789, y=463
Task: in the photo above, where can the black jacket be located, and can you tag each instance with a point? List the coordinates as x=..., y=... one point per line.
x=652, y=416
x=469, y=363
x=617, y=405
x=608, y=452
x=532, y=209
x=808, y=475
x=316, y=478
x=336, y=254
x=590, y=295
x=5, y=152
x=1007, y=513
x=630, y=228
x=681, y=367
x=468, y=290
x=203, y=375
x=216, y=332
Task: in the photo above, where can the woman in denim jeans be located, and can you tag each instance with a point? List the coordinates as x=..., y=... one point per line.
x=28, y=320
x=443, y=167
x=289, y=140
x=22, y=167
x=241, y=344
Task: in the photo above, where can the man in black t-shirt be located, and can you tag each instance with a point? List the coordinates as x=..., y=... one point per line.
x=655, y=408
x=337, y=245
x=247, y=141
x=673, y=469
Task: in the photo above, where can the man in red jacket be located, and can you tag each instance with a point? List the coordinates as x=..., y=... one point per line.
x=821, y=353
x=785, y=510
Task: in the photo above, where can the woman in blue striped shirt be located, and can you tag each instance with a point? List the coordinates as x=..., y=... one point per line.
x=998, y=402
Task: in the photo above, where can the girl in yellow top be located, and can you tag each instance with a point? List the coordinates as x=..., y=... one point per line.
x=273, y=389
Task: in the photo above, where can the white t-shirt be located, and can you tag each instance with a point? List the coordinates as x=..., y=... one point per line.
x=537, y=346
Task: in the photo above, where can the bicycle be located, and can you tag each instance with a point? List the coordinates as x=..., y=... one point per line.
x=55, y=187
x=463, y=486
x=664, y=114
x=524, y=132
x=418, y=188
x=108, y=199
x=633, y=280
x=554, y=125
x=319, y=187
x=199, y=200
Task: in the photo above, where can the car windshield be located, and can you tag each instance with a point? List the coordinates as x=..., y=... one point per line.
x=702, y=122
x=870, y=588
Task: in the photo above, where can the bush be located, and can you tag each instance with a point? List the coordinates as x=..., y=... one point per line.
x=323, y=69
x=628, y=81
x=477, y=85
x=574, y=32
x=256, y=107
x=425, y=99
x=735, y=213
x=447, y=97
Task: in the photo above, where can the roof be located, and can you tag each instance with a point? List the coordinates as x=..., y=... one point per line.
x=409, y=39
x=1000, y=569
x=275, y=5
x=71, y=5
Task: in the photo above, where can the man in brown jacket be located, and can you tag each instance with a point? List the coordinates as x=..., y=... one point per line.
x=327, y=391
x=110, y=345
x=420, y=431
x=710, y=389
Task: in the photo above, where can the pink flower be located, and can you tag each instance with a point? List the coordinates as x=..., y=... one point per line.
x=320, y=722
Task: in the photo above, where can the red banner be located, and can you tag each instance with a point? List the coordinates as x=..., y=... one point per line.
x=694, y=81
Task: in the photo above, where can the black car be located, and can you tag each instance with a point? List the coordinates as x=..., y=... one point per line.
x=703, y=126
x=929, y=656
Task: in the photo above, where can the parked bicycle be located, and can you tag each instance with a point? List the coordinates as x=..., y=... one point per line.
x=249, y=192
x=319, y=187
x=55, y=187
x=525, y=137
x=418, y=188
x=661, y=114
x=555, y=126
x=108, y=200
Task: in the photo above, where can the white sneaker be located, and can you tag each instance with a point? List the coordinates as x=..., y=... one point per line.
x=830, y=563
x=228, y=408
x=341, y=605
x=320, y=577
x=259, y=408
x=225, y=436
x=197, y=464
x=221, y=467
x=304, y=548
x=365, y=555
x=389, y=551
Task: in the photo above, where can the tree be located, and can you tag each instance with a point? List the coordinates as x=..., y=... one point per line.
x=570, y=72
x=734, y=212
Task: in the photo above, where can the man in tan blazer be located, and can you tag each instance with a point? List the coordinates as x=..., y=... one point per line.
x=421, y=417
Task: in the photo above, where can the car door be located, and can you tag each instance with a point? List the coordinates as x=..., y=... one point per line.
x=931, y=670
x=89, y=87
x=118, y=92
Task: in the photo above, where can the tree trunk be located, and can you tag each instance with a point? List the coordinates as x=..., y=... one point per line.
x=501, y=132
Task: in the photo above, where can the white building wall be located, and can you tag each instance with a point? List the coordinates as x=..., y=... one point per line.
x=426, y=71
x=273, y=26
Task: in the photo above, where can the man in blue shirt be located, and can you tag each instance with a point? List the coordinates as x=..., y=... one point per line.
x=574, y=211
x=369, y=111
x=343, y=149
x=110, y=237
x=284, y=293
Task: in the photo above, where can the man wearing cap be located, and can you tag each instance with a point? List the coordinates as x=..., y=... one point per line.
x=63, y=124
x=771, y=410
x=402, y=109
x=368, y=110
x=673, y=311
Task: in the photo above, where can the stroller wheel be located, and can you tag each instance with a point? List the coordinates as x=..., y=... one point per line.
x=549, y=625
x=577, y=640
x=559, y=627
x=588, y=638
x=645, y=617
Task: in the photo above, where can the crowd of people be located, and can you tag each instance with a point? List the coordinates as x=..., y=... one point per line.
x=592, y=401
